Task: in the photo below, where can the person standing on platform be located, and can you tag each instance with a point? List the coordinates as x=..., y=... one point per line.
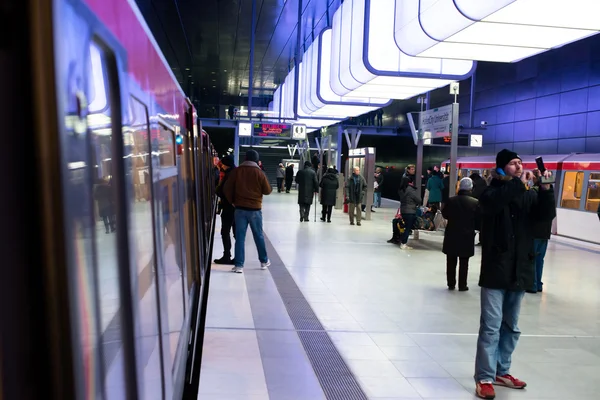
x=244, y=189
x=434, y=187
x=446, y=189
x=410, y=200
x=509, y=211
x=459, y=236
x=542, y=231
x=377, y=191
x=329, y=185
x=308, y=185
x=227, y=165
x=289, y=177
x=356, y=188
x=380, y=117
x=280, y=177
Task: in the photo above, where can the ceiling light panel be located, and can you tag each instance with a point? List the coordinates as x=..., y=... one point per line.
x=491, y=30
x=370, y=64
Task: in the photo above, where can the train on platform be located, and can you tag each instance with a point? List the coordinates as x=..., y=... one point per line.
x=125, y=178
x=577, y=189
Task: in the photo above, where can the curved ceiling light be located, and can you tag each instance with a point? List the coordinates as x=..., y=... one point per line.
x=366, y=62
x=491, y=30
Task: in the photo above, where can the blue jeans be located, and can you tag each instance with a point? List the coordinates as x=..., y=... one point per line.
x=409, y=223
x=498, y=332
x=243, y=218
x=377, y=199
x=540, y=247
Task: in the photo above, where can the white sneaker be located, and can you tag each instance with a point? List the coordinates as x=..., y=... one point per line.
x=238, y=270
x=405, y=247
x=265, y=265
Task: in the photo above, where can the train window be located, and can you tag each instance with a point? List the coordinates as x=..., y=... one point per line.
x=572, y=189
x=103, y=216
x=136, y=152
x=593, y=192
x=166, y=146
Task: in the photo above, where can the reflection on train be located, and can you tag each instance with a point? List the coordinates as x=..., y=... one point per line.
x=139, y=205
x=577, y=189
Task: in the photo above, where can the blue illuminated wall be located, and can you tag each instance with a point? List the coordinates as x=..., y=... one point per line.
x=546, y=104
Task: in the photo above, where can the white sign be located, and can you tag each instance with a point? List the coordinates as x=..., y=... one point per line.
x=244, y=129
x=476, y=140
x=436, y=122
x=299, y=132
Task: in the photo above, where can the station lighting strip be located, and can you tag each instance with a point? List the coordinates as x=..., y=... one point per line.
x=491, y=30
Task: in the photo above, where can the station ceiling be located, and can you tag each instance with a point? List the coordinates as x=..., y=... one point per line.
x=207, y=42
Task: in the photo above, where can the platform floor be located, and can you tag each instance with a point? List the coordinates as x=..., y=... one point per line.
x=402, y=334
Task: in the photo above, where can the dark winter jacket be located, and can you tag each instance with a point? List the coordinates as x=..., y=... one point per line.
x=225, y=204
x=246, y=186
x=459, y=237
x=542, y=229
x=446, y=189
x=308, y=185
x=509, y=212
x=479, y=187
x=598, y=211
x=409, y=200
x=379, y=180
x=329, y=185
x=435, y=185
x=354, y=193
x=289, y=173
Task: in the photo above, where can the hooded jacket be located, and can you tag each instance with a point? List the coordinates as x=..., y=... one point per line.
x=409, y=200
x=308, y=184
x=246, y=186
x=508, y=214
x=330, y=185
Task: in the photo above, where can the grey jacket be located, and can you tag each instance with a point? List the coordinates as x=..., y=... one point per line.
x=409, y=200
x=280, y=172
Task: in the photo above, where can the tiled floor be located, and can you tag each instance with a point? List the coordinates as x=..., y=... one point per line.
x=403, y=335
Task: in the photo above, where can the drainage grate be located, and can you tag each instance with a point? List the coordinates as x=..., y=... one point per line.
x=336, y=379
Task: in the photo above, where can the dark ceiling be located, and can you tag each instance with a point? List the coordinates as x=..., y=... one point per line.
x=207, y=42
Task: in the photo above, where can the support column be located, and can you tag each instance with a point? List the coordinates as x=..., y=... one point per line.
x=251, y=74
x=454, y=150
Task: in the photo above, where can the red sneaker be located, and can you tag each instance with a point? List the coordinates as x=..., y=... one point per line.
x=510, y=382
x=485, y=390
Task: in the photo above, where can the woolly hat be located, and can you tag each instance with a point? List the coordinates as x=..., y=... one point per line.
x=227, y=161
x=504, y=157
x=252, y=155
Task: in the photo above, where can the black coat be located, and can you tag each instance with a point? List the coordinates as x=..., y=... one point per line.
x=508, y=214
x=459, y=237
x=479, y=187
x=289, y=174
x=308, y=185
x=329, y=185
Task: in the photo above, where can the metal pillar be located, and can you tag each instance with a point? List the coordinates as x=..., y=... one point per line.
x=297, y=58
x=473, y=81
x=419, y=169
x=236, y=146
x=251, y=74
x=454, y=145
x=338, y=158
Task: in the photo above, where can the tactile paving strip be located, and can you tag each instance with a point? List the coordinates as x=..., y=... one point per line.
x=334, y=375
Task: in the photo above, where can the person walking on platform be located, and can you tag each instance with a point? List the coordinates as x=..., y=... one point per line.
x=509, y=211
x=410, y=200
x=329, y=186
x=227, y=211
x=289, y=177
x=308, y=185
x=244, y=189
x=356, y=188
x=280, y=177
x=459, y=236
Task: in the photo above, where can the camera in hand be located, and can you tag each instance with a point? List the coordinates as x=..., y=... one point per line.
x=540, y=164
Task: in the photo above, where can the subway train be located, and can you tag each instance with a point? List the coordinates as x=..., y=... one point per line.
x=117, y=229
x=577, y=189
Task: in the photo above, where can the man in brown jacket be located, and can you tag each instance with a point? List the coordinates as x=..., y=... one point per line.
x=245, y=189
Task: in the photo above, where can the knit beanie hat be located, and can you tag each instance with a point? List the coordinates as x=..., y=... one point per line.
x=227, y=161
x=252, y=155
x=504, y=157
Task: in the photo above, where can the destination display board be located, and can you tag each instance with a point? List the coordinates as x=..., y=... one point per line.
x=282, y=131
x=463, y=140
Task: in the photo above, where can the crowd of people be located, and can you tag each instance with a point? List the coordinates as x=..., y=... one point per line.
x=511, y=209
